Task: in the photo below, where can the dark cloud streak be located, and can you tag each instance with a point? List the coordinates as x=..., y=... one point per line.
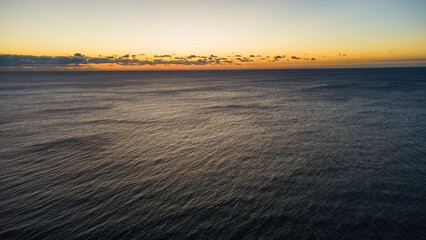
x=79, y=60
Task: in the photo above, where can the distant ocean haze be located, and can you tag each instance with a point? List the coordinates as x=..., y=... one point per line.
x=256, y=154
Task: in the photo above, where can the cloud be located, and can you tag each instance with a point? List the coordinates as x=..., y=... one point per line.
x=81, y=61
x=278, y=57
x=28, y=60
x=163, y=56
x=100, y=60
x=246, y=60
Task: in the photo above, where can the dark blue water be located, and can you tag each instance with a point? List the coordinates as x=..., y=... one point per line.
x=272, y=154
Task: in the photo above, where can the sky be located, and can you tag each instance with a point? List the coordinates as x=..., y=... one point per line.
x=190, y=34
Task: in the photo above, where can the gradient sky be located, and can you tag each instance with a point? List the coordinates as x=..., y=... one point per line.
x=364, y=33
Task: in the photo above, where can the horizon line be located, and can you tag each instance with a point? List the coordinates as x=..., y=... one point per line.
x=225, y=69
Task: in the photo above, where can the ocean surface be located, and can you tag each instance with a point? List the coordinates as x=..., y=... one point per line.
x=259, y=154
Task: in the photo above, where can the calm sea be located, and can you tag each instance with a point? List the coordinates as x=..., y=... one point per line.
x=260, y=154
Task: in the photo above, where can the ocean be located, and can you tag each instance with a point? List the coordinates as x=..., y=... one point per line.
x=244, y=154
